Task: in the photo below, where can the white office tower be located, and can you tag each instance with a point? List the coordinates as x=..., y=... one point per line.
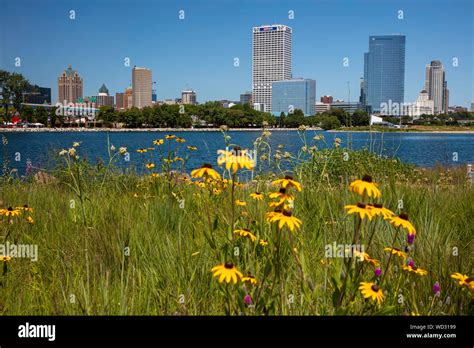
x=436, y=86
x=271, y=61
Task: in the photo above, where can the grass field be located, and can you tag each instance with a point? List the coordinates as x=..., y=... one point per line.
x=118, y=243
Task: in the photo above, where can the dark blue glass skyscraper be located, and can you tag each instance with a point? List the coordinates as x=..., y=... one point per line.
x=384, y=71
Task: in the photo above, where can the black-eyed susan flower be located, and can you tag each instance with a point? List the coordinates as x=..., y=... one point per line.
x=150, y=165
x=249, y=279
x=180, y=140
x=379, y=210
x=397, y=252
x=205, y=172
x=25, y=208
x=5, y=258
x=360, y=209
x=176, y=159
x=365, y=186
x=414, y=269
x=464, y=280
x=227, y=272
x=142, y=150
x=10, y=212
x=155, y=175
x=236, y=159
x=158, y=142
x=263, y=242
x=282, y=195
x=402, y=220
x=30, y=220
x=192, y=148
x=286, y=218
x=364, y=257
x=216, y=191
x=372, y=291
x=240, y=203
x=258, y=196
x=246, y=233
x=170, y=136
x=287, y=182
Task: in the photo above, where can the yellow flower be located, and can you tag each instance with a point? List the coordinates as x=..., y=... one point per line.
x=150, y=165
x=246, y=233
x=402, y=220
x=464, y=280
x=286, y=218
x=155, y=175
x=364, y=257
x=25, y=208
x=240, y=203
x=378, y=209
x=249, y=279
x=142, y=150
x=282, y=195
x=205, y=171
x=365, y=186
x=10, y=212
x=396, y=252
x=263, y=242
x=30, y=220
x=257, y=196
x=158, y=142
x=168, y=137
x=150, y=148
x=192, y=148
x=180, y=140
x=287, y=182
x=5, y=258
x=178, y=159
x=415, y=269
x=235, y=159
x=227, y=272
x=360, y=209
x=372, y=291
x=62, y=152
x=122, y=150
x=76, y=144
x=216, y=191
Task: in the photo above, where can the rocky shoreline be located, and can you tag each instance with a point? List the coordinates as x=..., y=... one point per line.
x=82, y=129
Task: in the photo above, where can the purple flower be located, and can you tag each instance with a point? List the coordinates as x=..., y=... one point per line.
x=436, y=288
x=411, y=263
x=248, y=300
x=410, y=238
x=378, y=272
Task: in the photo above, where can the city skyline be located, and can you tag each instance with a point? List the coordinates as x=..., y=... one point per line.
x=315, y=55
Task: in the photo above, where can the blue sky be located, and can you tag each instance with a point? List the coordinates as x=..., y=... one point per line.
x=198, y=51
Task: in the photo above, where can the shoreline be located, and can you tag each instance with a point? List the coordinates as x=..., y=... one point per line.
x=125, y=130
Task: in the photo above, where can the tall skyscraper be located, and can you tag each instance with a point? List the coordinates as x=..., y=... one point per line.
x=103, y=98
x=70, y=87
x=384, y=72
x=436, y=86
x=141, y=87
x=289, y=95
x=271, y=61
x=119, y=101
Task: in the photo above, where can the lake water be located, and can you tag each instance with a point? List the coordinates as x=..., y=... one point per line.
x=423, y=149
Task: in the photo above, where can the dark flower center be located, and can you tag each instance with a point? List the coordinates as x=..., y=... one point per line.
x=246, y=230
x=10, y=209
x=282, y=190
x=361, y=205
x=258, y=193
x=367, y=178
x=375, y=288
x=277, y=210
x=378, y=205
x=229, y=265
x=286, y=212
x=288, y=177
x=403, y=216
x=396, y=249
x=25, y=206
x=470, y=279
x=207, y=165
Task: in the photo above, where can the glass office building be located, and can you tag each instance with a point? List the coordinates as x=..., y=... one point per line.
x=294, y=94
x=384, y=71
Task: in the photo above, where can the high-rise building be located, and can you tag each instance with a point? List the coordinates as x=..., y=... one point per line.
x=188, y=97
x=423, y=106
x=327, y=99
x=37, y=95
x=384, y=72
x=246, y=98
x=70, y=86
x=472, y=107
x=119, y=101
x=271, y=61
x=141, y=87
x=293, y=94
x=103, y=98
x=437, y=87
